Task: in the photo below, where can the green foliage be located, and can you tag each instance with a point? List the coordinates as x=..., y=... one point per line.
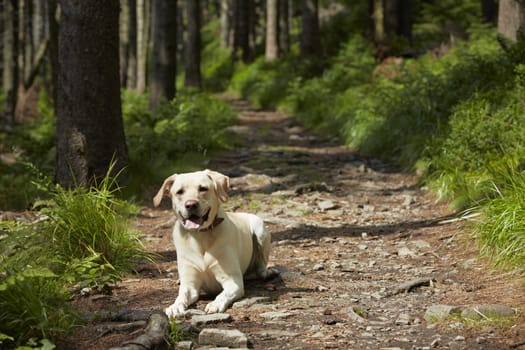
x=181, y=131
x=321, y=101
x=217, y=64
x=31, y=142
x=501, y=232
x=265, y=83
x=442, y=21
x=91, y=224
x=32, y=296
x=83, y=238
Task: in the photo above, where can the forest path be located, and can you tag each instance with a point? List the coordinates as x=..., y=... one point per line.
x=348, y=231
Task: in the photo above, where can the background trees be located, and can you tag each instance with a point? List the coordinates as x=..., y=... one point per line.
x=151, y=32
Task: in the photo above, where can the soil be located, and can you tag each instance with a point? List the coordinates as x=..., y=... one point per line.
x=347, y=232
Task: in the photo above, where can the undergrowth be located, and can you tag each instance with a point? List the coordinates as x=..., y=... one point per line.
x=82, y=238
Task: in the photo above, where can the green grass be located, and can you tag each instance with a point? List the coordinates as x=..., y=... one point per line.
x=501, y=233
x=85, y=238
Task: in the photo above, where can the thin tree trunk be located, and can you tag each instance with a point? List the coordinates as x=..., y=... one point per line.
x=284, y=26
x=132, y=42
x=143, y=14
x=511, y=18
x=242, y=29
x=193, y=45
x=225, y=22
x=124, y=28
x=53, y=47
x=379, y=24
x=164, y=52
x=10, y=73
x=272, y=30
x=310, y=40
x=90, y=133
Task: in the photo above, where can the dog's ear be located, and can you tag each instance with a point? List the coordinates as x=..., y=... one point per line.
x=164, y=190
x=222, y=184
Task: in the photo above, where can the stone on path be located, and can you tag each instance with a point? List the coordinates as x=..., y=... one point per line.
x=274, y=315
x=200, y=320
x=488, y=311
x=439, y=312
x=231, y=338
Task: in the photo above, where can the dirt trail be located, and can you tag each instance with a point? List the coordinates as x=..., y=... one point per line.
x=347, y=232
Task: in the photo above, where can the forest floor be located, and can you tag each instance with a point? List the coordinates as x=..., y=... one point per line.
x=347, y=232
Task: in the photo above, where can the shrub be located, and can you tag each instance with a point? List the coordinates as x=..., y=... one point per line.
x=501, y=230
x=182, y=131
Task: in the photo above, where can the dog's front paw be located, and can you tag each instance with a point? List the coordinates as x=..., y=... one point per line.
x=176, y=311
x=215, y=307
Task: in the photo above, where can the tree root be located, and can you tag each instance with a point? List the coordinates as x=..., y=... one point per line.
x=155, y=335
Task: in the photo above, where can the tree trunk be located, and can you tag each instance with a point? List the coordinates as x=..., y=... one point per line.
x=284, y=26
x=90, y=133
x=53, y=47
x=225, y=22
x=310, y=40
x=10, y=52
x=193, y=45
x=143, y=30
x=272, y=30
x=124, y=27
x=242, y=29
x=164, y=52
x=511, y=18
x=132, y=42
x=489, y=11
x=379, y=24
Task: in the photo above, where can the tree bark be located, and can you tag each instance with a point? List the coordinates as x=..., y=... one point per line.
x=53, y=47
x=143, y=30
x=124, y=28
x=284, y=26
x=193, y=45
x=10, y=52
x=225, y=22
x=310, y=39
x=489, y=11
x=272, y=30
x=511, y=18
x=90, y=134
x=242, y=29
x=164, y=52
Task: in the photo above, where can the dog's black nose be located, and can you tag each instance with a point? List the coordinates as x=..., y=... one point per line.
x=191, y=204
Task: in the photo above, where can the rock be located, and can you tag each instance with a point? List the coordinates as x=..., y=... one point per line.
x=246, y=303
x=184, y=345
x=488, y=311
x=403, y=320
x=318, y=267
x=231, y=338
x=199, y=320
x=404, y=252
x=274, y=315
x=439, y=312
x=420, y=244
x=326, y=205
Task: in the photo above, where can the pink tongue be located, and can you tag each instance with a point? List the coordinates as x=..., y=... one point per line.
x=193, y=223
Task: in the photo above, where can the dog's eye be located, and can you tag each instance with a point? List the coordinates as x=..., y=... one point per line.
x=203, y=189
x=180, y=192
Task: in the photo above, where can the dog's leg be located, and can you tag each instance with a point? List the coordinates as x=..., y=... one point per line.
x=188, y=294
x=262, y=242
x=233, y=289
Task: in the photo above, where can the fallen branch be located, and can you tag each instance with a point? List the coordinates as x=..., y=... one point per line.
x=410, y=285
x=154, y=337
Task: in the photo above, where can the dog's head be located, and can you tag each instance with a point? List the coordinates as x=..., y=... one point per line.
x=196, y=197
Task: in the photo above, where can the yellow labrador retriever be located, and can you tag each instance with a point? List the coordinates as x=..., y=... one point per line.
x=215, y=249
